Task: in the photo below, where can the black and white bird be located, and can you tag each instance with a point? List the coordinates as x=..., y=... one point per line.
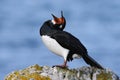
x=63, y=43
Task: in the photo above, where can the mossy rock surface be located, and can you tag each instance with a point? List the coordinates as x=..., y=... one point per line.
x=30, y=73
x=37, y=72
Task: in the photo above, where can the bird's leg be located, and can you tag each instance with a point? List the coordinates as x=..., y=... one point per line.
x=64, y=65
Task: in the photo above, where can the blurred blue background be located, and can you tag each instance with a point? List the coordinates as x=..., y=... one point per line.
x=95, y=22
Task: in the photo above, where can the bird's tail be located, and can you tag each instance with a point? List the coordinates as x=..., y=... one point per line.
x=89, y=60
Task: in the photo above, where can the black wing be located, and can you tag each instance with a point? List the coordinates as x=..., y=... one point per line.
x=70, y=42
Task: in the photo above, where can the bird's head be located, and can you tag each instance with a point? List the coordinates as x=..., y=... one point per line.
x=59, y=22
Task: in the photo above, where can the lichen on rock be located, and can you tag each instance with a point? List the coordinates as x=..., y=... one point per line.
x=37, y=72
x=30, y=73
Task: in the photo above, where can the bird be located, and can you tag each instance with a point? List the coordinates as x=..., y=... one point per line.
x=63, y=43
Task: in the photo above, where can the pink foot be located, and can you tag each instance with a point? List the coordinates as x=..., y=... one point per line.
x=61, y=66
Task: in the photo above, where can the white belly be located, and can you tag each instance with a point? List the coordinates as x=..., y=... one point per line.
x=54, y=46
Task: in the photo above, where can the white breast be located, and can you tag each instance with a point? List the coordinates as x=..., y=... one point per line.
x=54, y=46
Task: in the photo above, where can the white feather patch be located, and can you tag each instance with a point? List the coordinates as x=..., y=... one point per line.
x=61, y=26
x=76, y=56
x=54, y=46
x=53, y=21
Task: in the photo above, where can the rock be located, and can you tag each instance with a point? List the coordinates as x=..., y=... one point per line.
x=37, y=72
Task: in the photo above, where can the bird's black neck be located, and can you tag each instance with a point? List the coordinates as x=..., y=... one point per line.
x=47, y=28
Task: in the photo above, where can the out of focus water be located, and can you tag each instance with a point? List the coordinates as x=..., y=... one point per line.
x=95, y=23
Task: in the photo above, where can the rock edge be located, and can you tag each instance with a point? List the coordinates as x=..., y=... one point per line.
x=36, y=72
